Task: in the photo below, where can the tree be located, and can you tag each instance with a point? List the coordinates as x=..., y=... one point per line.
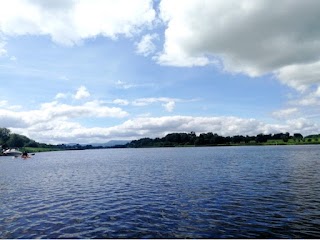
x=214, y=139
x=173, y=138
x=16, y=140
x=248, y=139
x=4, y=135
x=297, y=136
x=238, y=139
x=261, y=138
x=192, y=137
x=200, y=140
x=286, y=137
x=32, y=144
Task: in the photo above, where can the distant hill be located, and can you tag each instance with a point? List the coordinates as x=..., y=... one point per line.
x=110, y=143
x=107, y=144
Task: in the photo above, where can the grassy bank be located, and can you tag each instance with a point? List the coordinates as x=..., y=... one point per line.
x=304, y=141
x=39, y=149
x=293, y=141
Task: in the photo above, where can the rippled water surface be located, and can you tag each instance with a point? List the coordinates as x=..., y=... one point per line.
x=217, y=192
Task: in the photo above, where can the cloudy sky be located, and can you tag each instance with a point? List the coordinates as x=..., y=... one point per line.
x=90, y=71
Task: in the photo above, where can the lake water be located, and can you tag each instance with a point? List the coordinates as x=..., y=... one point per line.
x=216, y=192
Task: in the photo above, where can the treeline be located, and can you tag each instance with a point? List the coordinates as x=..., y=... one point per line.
x=14, y=140
x=78, y=146
x=212, y=139
x=10, y=140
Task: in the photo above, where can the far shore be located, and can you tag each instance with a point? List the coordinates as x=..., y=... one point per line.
x=270, y=143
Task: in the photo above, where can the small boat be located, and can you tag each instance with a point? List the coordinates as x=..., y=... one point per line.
x=12, y=152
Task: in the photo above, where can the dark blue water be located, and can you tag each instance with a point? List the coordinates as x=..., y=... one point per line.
x=221, y=192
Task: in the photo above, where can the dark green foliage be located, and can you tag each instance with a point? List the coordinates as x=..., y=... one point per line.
x=4, y=135
x=16, y=140
x=213, y=139
x=32, y=144
x=261, y=138
x=313, y=136
x=13, y=140
x=297, y=136
x=187, y=139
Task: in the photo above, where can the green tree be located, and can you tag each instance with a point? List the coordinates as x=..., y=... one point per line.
x=261, y=138
x=4, y=135
x=297, y=136
x=173, y=138
x=192, y=137
x=16, y=140
x=32, y=144
x=200, y=140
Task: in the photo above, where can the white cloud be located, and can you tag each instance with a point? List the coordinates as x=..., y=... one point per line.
x=54, y=111
x=97, y=109
x=226, y=126
x=308, y=99
x=54, y=123
x=303, y=126
x=81, y=93
x=14, y=107
x=3, y=103
x=304, y=103
x=148, y=101
x=110, y=18
x=69, y=22
x=317, y=92
x=169, y=106
x=12, y=119
x=144, y=101
x=285, y=113
x=251, y=37
x=146, y=46
x=168, y=103
x=300, y=76
x=61, y=95
x=125, y=85
x=123, y=102
x=128, y=85
x=3, y=51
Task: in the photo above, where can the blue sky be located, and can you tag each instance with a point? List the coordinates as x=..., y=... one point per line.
x=93, y=71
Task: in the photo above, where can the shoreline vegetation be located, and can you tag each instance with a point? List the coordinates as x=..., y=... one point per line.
x=210, y=139
x=13, y=140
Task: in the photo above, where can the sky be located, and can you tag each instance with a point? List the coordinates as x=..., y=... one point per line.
x=91, y=71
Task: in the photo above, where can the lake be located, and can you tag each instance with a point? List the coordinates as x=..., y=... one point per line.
x=205, y=192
